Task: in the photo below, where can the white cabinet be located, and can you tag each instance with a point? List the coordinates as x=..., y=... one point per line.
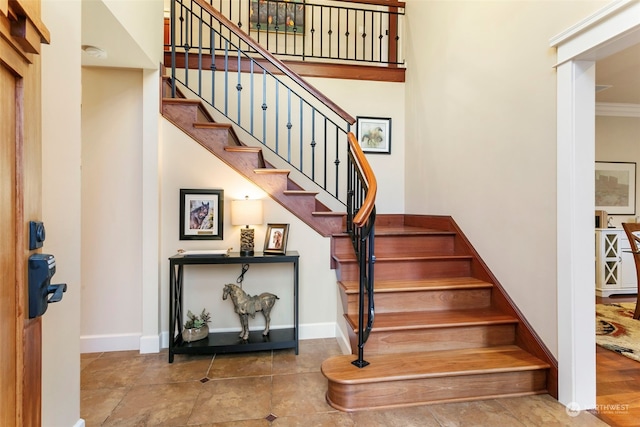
x=615, y=268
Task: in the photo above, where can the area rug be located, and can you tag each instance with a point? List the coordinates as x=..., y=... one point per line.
x=616, y=330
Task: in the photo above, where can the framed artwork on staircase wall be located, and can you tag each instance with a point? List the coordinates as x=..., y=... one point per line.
x=201, y=214
x=374, y=134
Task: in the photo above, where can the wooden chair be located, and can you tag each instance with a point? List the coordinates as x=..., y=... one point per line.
x=634, y=241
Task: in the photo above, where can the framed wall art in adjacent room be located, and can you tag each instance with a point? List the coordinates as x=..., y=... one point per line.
x=616, y=187
x=201, y=214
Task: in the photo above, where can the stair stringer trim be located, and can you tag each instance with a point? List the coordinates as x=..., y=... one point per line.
x=526, y=337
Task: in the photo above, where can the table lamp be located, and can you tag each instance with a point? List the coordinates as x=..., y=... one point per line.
x=246, y=212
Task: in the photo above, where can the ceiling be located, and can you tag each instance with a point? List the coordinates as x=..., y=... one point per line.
x=101, y=29
x=622, y=72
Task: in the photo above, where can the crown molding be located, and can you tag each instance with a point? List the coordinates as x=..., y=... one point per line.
x=617, y=109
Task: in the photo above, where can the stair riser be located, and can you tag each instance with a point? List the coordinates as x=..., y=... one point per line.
x=410, y=269
x=405, y=341
x=416, y=245
x=181, y=113
x=410, y=392
x=396, y=302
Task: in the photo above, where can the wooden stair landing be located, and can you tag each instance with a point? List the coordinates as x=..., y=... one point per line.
x=434, y=377
x=443, y=331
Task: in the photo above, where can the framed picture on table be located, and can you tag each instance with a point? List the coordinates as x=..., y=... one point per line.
x=275, y=241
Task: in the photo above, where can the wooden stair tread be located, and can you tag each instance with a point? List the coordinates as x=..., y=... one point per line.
x=436, y=319
x=398, y=257
x=408, y=366
x=212, y=125
x=180, y=101
x=328, y=213
x=272, y=170
x=400, y=231
x=243, y=149
x=381, y=286
x=300, y=193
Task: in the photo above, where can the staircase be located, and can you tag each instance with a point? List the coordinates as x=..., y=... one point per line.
x=443, y=331
x=444, y=328
x=221, y=140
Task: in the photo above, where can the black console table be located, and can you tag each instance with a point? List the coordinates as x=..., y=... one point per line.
x=226, y=342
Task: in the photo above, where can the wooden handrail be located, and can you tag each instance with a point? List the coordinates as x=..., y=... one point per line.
x=368, y=204
x=388, y=3
x=233, y=28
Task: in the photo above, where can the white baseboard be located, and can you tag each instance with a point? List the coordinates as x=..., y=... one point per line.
x=153, y=343
x=79, y=423
x=101, y=343
x=150, y=344
x=343, y=341
x=317, y=331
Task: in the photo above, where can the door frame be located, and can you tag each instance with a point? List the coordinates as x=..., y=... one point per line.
x=610, y=30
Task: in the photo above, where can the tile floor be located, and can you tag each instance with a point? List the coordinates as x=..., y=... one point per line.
x=269, y=389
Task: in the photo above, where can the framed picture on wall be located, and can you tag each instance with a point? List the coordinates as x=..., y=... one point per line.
x=277, y=16
x=374, y=134
x=616, y=187
x=201, y=214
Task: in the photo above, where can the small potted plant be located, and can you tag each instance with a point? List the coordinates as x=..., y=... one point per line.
x=196, y=328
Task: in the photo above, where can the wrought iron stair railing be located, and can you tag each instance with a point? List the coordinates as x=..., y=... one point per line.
x=246, y=85
x=358, y=32
x=217, y=62
x=361, y=220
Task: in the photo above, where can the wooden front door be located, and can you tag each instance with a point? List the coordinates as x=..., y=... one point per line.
x=21, y=33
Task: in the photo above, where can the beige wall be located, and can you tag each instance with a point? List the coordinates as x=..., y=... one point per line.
x=185, y=164
x=111, y=205
x=618, y=140
x=61, y=210
x=480, y=125
x=376, y=99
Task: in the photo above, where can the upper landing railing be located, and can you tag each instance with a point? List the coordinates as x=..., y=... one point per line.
x=358, y=32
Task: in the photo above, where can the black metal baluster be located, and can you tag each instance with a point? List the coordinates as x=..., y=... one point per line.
x=337, y=161
x=330, y=32
x=199, y=91
x=289, y=125
x=251, y=94
x=226, y=78
x=264, y=106
x=381, y=37
x=213, y=72
x=313, y=144
x=277, y=113
x=364, y=34
x=372, y=34
x=326, y=155
x=313, y=29
x=239, y=86
x=301, y=141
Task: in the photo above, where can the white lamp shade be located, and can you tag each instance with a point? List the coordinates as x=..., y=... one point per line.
x=246, y=212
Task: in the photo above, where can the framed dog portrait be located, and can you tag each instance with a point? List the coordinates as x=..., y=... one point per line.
x=201, y=214
x=275, y=242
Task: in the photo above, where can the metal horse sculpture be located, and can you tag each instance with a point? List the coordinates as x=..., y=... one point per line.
x=246, y=305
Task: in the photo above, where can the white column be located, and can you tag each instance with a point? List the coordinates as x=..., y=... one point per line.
x=576, y=239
